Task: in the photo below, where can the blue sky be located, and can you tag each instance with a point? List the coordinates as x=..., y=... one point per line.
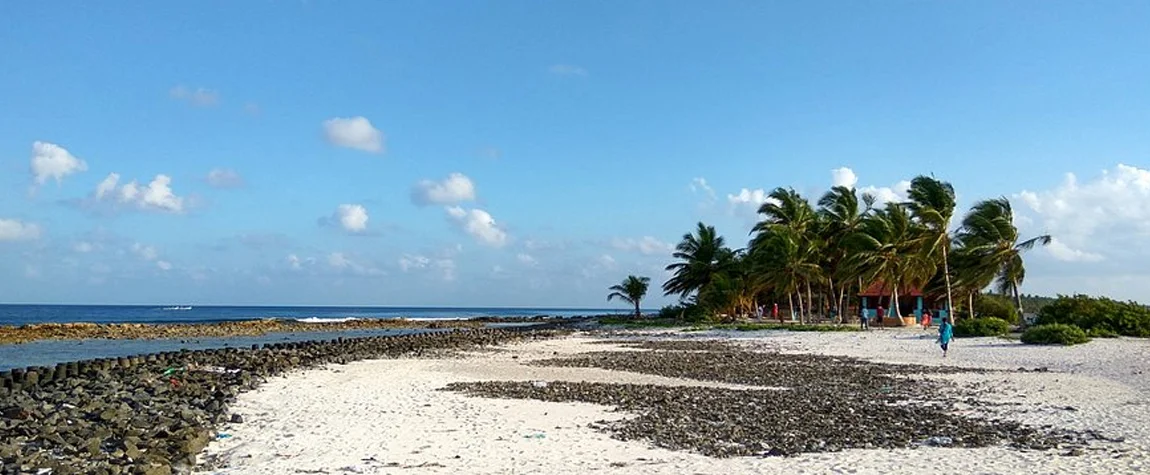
x=249, y=141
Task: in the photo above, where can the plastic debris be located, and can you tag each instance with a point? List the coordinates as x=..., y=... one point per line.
x=223, y=435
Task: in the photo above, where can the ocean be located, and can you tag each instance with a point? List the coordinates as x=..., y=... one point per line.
x=47, y=353
x=26, y=314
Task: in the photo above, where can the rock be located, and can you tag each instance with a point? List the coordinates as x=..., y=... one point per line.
x=134, y=419
x=940, y=441
x=237, y=419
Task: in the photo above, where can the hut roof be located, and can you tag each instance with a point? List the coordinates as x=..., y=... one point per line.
x=880, y=289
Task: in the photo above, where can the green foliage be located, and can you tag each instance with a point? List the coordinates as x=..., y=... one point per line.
x=1054, y=334
x=701, y=256
x=990, y=305
x=632, y=322
x=750, y=327
x=1098, y=314
x=685, y=312
x=631, y=290
x=986, y=326
x=1098, y=332
x=1035, y=303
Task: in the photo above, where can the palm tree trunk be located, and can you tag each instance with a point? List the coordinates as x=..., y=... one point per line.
x=790, y=305
x=804, y=308
x=1017, y=300
x=810, y=301
x=638, y=313
x=970, y=308
x=894, y=306
x=799, y=301
x=946, y=275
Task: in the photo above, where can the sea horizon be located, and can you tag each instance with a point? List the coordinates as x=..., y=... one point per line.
x=24, y=314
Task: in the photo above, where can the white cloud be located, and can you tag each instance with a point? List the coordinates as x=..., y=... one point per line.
x=455, y=189
x=1094, y=219
x=224, y=178
x=147, y=253
x=747, y=202
x=409, y=262
x=297, y=263
x=1059, y=250
x=567, y=70
x=164, y=265
x=541, y=245
x=342, y=262
x=699, y=185
x=844, y=177
x=445, y=268
x=338, y=260
x=107, y=185
x=351, y=217
x=527, y=259
x=200, y=97
x=883, y=194
x=646, y=245
x=353, y=132
x=13, y=230
x=53, y=161
x=83, y=247
x=598, y=265
x=479, y=224
x=156, y=195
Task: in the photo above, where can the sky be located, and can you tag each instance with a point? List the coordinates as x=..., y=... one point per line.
x=531, y=154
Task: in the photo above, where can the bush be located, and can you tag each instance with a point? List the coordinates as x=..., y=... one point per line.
x=794, y=327
x=687, y=312
x=1099, y=332
x=1054, y=334
x=985, y=326
x=1098, y=314
x=990, y=305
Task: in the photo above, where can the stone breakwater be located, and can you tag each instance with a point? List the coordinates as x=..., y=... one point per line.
x=152, y=414
x=145, y=331
x=807, y=403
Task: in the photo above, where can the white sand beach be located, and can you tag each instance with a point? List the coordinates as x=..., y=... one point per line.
x=389, y=416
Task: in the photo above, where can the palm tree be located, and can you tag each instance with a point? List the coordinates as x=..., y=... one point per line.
x=970, y=277
x=932, y=204
x=788, y=213
x=733, y=291
x=631, y=290
x=840, y=216
x=989, y=235
x=784, y=260
x=888, y=249
x=701, y=256
x=785, y=208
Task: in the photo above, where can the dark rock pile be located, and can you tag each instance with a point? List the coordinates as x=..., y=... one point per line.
x=142, y=331
x=153, y=414
x=820, y=403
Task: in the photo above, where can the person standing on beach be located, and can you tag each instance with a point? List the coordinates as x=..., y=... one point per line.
x=775, y=312
x=926, y=319
x=945, y=334
x=862, y=318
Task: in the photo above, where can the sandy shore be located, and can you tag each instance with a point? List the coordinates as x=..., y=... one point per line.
x=389, y=416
